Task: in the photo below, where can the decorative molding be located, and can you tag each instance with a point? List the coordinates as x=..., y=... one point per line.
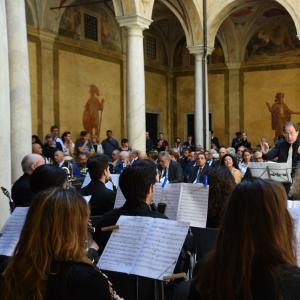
x=134, y=22
x=200, y=50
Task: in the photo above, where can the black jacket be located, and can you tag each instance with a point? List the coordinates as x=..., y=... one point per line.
x=281, y=150
x=102, y=200
x=21, y=191
x=175, y=173
x=203, y=173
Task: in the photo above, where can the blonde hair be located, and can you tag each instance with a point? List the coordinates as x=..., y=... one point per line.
x=55, y=229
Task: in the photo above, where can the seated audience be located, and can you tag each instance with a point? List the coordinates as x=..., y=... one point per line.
x=229, y=162
x=50, y=260
x=186, y=164
x=222, y=152
x=153, y=156
x=21, y=192
x=189, y=144
x=255, y=255
x=170, y=170
x=103, y=199
x=200, y=170
x=114, y=160
x=174, y=154
x=239, y=154
x=258, y=156
x=79, y=167
x=124, y=161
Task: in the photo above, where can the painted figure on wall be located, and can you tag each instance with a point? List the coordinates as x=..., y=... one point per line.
x=93, y=109
x=280, y=114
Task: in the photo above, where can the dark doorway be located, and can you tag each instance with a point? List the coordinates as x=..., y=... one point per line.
x=191, y=124
x=152, y=125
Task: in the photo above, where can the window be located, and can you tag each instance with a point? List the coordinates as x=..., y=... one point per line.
x=90, y=27
x=151, y=47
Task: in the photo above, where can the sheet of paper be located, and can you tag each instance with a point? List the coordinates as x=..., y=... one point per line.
x=11, y=231
x=120, y=199
x=125, y=244
x=170, y=196
x=293, y=203
x=87, y=198
x=295, y=213
x=144, y=246
x=161, y=249
x=193, y=204
x=86, y=181
x=259, y=169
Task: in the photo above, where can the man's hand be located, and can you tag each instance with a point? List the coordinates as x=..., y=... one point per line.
x=264, y=147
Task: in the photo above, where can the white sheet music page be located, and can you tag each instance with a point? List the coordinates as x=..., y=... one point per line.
x=293, y=203
x=170, y=196
x=125, y=244
x=11, y=231
x=161, y=249
x=120, y=199
x=193, y=204
x=87, y=180
x=295, y=213
x=145, y=246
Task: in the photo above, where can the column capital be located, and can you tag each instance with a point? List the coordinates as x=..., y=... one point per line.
x=200, y=50
x=233, y=65
x=134, y=22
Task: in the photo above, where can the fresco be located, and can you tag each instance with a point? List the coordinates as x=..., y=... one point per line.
x=276, y=36
x=70, y=25
x=280, y=114
x=93, y=109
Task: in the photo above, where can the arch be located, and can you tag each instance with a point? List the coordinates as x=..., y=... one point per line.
x=224, y=8
x=31, y=8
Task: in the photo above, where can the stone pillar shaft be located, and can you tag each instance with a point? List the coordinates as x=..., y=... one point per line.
x=20, y=102
x=136, y=107
x=5, y=161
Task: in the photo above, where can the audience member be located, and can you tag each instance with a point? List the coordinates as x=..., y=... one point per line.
x=186, y=164
x=124, y=161
x=83, y=145
x=79, y=167
x=174, y=154
x=257, y=156
x=200, y=170
x=246, y=158
x=49, y=147
x=57, y=142
x=103, y=199
x=244, y=141
x=162, y=142
x=21, y=191
x=109, y=144
x=178, y=145
x=171, y=170
x=236, y=142
x=37, y=149
x=149, y=142
x=239, y=154
x=67, y=144
x=36, y=140
x=59, y=159
x=214, y=140
x=97, y=147
x=229, y=162
x=125, y=145
x=222, y=152
x=50, y=260
x=153, y=156
x=189, y=144
x=254, y=256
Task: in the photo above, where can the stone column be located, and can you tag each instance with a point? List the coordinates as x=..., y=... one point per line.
x=47, y=117
x=201, y=98
x=136, y=108
x=233, y=108
x=5, y=161
x=20, y=102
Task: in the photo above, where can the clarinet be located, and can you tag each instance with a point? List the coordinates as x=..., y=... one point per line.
x=11, y=202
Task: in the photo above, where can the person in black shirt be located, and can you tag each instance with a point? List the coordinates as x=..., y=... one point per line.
x=103, y=199
x=21, y=191
x=50, y=260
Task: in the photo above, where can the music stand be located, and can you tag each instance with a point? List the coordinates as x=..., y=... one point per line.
x=280, y=172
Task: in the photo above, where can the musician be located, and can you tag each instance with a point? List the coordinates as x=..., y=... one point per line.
x=287, y=150
x=103, y=199
x=21, y=191
x=170, y=169
x=200, y=170
x=50, y=260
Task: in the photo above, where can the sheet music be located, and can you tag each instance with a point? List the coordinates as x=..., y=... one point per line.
x=259, y=169
x=11, y=231
x=114, y=177
x=144, y=246
x=170, y=196
x=161, y=249
x=87, y=198
x=125, y=244
x=120, y=199
x=293, y=203
x=295, y=213
x=193, y=204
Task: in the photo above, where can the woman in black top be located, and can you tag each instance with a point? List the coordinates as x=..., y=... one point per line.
x=50, y=260
x=254, y=256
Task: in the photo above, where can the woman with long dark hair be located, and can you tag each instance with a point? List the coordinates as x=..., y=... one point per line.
x=50, y=260
x=254, y=256
x=229, y=162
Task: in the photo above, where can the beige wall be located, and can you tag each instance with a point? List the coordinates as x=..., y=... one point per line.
x=260, y=87
x=185, y=103
x=32, y=50
x=156, y=98
x=76, y=73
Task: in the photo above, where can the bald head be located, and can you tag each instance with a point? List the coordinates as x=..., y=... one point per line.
x=37, y=148
x=30, y=162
